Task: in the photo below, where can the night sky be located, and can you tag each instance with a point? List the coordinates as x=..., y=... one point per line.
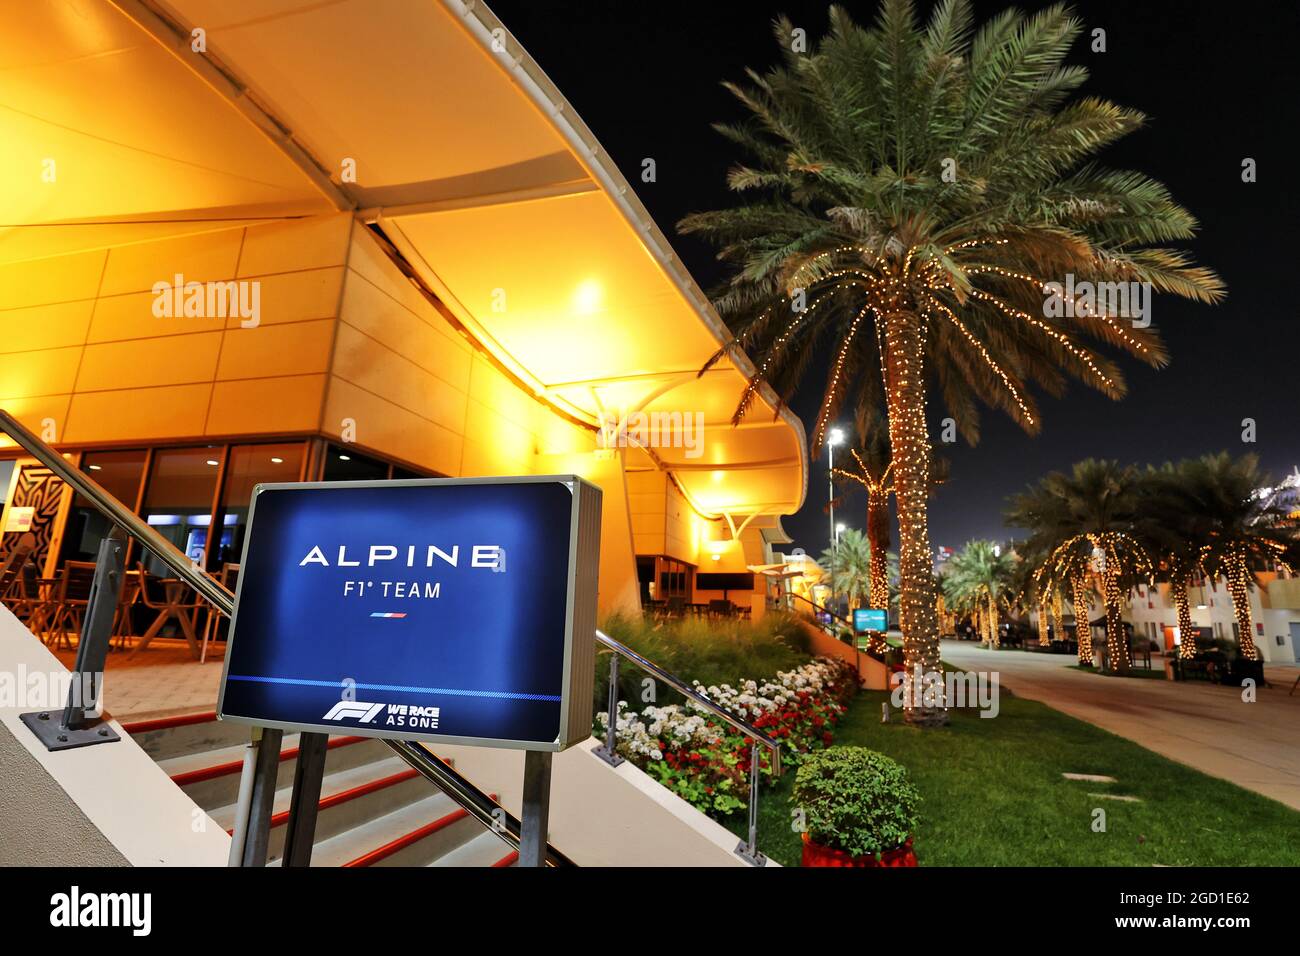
x=1217, y=82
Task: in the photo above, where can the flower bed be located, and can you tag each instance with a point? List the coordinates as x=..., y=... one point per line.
x=705, y=761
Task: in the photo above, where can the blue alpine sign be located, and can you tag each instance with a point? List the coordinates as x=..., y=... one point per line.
x=870, y=619
x=454, y=610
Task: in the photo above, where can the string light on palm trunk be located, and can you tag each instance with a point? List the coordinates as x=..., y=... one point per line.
x=1082, y=626
x=1239, y=590
x=1186, y=630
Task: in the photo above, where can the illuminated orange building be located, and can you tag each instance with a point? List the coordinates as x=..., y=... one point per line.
x=243, y=242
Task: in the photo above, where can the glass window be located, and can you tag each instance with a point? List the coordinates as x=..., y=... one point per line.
x=247, y=466
x=178, y=500
x=6, y=475
x=345, y=464
x=119, y=473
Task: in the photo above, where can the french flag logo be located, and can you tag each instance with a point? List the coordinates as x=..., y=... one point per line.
x=388, y=614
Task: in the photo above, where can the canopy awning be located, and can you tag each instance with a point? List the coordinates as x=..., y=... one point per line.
x=776, y=571
x=429, y=121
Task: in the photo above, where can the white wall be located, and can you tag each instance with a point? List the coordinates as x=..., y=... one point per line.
x=1217, y=614
x=603, y=815
x=105, y=805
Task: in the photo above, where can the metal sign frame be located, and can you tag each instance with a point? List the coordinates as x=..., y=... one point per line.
x=580, y=601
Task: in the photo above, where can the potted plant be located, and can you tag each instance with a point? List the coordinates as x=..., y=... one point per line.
x=859, y=809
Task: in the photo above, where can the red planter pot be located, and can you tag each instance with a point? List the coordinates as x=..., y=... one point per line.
x=814, y=854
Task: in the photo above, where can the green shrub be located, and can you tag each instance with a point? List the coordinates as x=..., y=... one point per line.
x=711, y=652
x=856, y=800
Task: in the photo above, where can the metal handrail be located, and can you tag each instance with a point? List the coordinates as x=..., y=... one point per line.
x=477, y=803
x=819, y=607
x=677, y=684
x=748, y=849
x=870, y=650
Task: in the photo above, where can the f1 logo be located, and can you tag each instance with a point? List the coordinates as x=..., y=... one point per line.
x=364, y=713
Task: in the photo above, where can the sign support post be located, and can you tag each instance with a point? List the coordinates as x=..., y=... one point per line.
x=307, y=779
x=535, y=818
x=266, y=767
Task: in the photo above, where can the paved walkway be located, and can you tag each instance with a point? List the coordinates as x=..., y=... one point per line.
x=160, y=681
x=1206, y=726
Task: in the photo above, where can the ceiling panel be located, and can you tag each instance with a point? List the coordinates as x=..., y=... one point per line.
x=394, y=84
x=100, y=121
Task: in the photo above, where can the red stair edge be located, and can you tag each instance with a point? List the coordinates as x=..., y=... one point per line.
x=402, y=842
x=343, y=796
x=510, y=859
x=408, y=839
x=166, y=723
x=235, y=766
x=361, y=790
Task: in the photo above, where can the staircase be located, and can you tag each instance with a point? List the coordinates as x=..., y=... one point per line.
x=374, y=810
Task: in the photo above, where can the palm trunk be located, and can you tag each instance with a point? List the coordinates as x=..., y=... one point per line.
x=1044, y=634
x=1058, y=613
x=1186, y=631
x=878, y=541
x=995, y=639
x=909, y=445
x=1116, y=640
x=1082, y=631
x=1239, y=590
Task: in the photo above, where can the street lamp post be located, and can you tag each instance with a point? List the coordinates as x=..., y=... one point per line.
x=835, y=436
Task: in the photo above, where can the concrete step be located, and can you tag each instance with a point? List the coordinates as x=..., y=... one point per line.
x=211, y=777
x=413, y=835
x=374, y=809
x=349, y=798
x=486, y=849
x=169, y=737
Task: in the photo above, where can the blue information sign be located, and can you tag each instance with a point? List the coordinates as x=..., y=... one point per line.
x=453, y=610
x=870, y=619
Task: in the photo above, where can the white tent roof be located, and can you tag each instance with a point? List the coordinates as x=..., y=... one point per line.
x=465, y=156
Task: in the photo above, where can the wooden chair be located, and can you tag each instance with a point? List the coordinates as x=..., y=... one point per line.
x=70, y=599
x=177, y=602
x=123, y=620
x=229, y=576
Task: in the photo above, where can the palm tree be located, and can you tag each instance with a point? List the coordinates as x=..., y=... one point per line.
x=1174, y=532
x=979, y=582
x=1213, y=504
x=1027, y=557
x=913, y=190
x=852, y=563
x=1085, y=521
x=874, y=472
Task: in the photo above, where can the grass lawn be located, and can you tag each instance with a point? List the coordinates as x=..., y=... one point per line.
x=994, y=796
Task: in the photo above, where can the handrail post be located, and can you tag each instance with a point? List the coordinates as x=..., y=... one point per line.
x=86, y=693
x=748, y=849
x=608, y=751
